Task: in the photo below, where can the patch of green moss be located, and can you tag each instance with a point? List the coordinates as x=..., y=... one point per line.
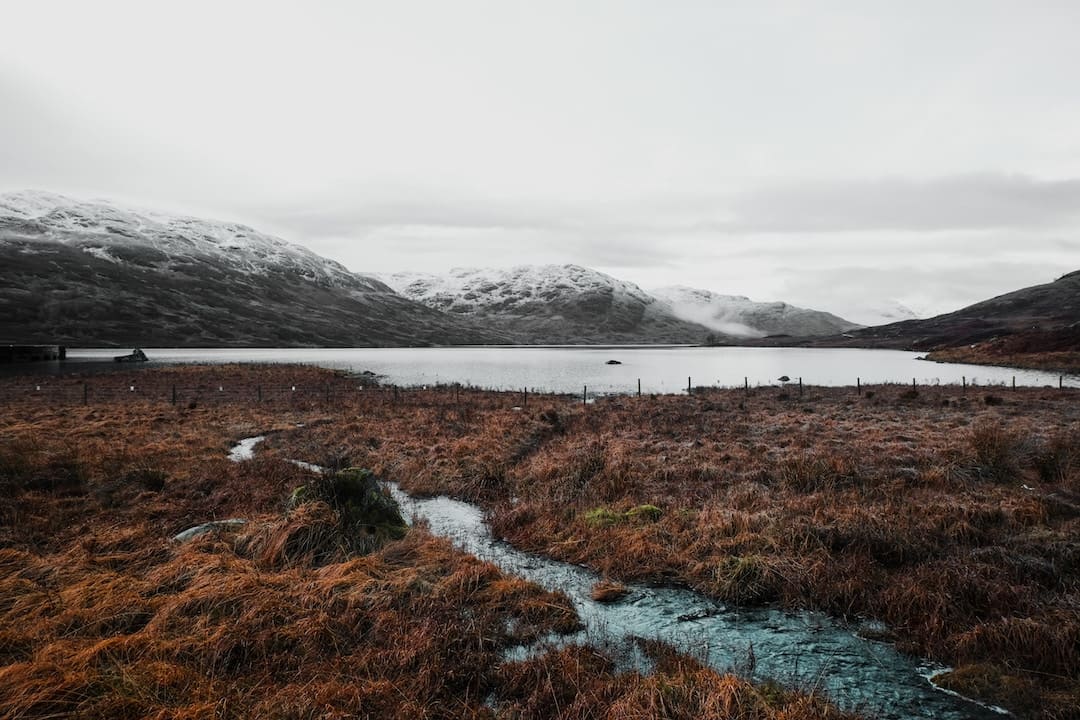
x=644, y=513
x=602, y=517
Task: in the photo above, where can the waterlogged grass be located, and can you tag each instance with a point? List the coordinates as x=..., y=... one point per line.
x=321, y=605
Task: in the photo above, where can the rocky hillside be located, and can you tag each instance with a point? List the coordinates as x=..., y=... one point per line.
x=551, y=304
x=92, y=273
x=742, y=317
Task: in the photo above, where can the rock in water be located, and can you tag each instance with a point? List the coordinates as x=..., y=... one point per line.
x=136, y=355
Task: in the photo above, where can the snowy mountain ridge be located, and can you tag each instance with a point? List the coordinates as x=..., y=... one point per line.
x=550, y=304
x=93, y=273
x=578, y=294
x=104, y=230
x=471, y=289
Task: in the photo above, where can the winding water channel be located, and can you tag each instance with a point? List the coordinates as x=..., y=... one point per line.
x=805, y=649
x=796, y=648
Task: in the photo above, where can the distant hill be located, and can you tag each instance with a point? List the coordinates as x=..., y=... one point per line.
x=1037, y=327
x=742, y=317
x=1051, y=311
x=550, y=304
x=570, y=304
x=93, y=273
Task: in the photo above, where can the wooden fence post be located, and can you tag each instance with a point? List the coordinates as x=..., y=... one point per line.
x=858, y=386
x=584, y=394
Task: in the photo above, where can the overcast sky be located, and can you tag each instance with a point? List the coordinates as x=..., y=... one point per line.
x=832, y=154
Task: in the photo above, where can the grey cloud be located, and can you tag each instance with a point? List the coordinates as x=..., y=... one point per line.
x=957, y=202
x=361, y=217
x=968, y=202
x=500, y=232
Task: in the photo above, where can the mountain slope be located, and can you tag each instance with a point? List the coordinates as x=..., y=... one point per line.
x=741, y=316
x=1035, y=327
x=551, y=304
x=91, y=273
x=1051, y=311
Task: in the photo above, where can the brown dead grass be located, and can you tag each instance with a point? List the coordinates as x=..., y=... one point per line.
x=102, y=616
x=952, y=519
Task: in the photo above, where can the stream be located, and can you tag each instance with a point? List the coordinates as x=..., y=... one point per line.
x=804, y=649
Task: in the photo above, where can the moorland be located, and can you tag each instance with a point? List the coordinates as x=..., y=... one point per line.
x=949, y=514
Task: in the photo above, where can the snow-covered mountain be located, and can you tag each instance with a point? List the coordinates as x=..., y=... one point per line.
x=550, y=304
x=80, y=272
x=569, y=303
x=742, y=317
x=111, y=233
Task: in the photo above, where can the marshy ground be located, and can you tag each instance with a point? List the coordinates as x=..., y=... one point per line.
x=953, y=517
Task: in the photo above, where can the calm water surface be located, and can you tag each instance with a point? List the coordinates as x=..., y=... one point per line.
x=661, y=369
